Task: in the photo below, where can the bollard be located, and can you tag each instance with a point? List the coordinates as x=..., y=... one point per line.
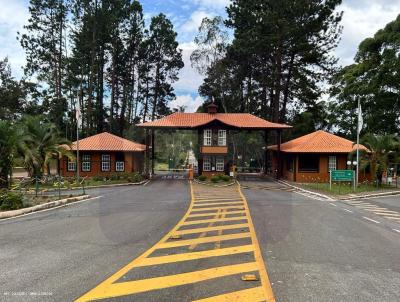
x=59, y=188
x=36, y=186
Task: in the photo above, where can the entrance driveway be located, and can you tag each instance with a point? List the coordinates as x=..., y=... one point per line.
x=59, y=254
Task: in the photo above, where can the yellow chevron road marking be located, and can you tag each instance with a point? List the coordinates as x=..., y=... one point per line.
x=192, y=222
x=196, y=255
x=210, y=229
x=211, y=214
x=207, y=239
x=200, y=206
x=215, y=209
x=144, y=285
x=220, y=207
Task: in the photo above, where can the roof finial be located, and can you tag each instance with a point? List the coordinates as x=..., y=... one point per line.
x=212, y=108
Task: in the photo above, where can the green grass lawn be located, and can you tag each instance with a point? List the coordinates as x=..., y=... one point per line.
x=344, y=188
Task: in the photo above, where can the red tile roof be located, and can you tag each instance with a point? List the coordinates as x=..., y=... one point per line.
x=108, y=142
x=194, y=120
x=318, y=142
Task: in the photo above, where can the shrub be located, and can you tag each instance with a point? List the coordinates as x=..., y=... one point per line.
x=215, y=178
x=225, y=178
x=98, y=178
x=135, y=177
x=11, y=201
x=202, y=178
x=115, y=177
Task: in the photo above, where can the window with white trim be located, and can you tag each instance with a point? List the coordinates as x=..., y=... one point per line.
x=105, y=162
x=332, y=163
x=86, y=163
x=71, y=165
x=221, y=137
x=207, y=140
x=119, y=166
x=220, y=164
x=207, y=163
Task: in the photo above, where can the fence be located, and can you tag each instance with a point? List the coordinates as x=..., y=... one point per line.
x=48, y=185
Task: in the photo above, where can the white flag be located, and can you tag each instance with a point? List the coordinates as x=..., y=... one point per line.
x=360, y=120
x=78, y=113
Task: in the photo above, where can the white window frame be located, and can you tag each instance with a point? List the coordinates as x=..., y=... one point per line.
x=332, y=163
x=207, y=137
x=206, y=163
x=86, y=163
x=221, y=137
x=119, y=166
x=71, y=166
x=105, y=163
x=220, y=164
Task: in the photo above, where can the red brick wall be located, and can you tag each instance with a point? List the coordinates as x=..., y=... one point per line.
x=321, y=176
x=133, y=163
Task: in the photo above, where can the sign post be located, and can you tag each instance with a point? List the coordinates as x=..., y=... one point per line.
x=342, y=175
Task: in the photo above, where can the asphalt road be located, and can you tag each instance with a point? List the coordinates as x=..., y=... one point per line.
x=314, y=250
x=60, y=254
x=321, y=251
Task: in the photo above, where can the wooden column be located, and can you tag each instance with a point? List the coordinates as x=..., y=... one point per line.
x=279, y=164
x=200, y=159
x=146, y=156
x=265, y=151
x=152, y=151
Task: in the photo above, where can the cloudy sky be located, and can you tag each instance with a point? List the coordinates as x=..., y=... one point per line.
x=362, y=18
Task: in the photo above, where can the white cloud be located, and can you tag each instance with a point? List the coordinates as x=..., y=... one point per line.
x=189, y=79
x=191, y=104
x=194, y=22
x=13, y=15
x=362, y=19
x=215, y=4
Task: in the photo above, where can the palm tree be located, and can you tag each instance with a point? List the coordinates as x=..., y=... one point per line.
x=12, y=141
x=381, y=149
x=6, y=153
x=45, y=144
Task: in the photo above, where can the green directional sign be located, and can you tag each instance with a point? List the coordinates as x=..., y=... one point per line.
x=342, y=175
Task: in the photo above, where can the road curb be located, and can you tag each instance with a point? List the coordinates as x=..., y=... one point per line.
x=144, y=182
x=40, y=207
x=391, y=193
x=306, y=191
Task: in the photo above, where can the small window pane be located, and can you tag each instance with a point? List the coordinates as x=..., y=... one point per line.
x=332, y=163
x=105, y=157
x=119, y=166
x=207, y=163
x=86, y=162
x=86, y=166
x=220, y=165
x=221, y=137
x=71, y=166
x=207, y=137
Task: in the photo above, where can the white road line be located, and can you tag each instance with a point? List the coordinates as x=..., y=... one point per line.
x=368, y=207
x=332, y=204
x=387, y=214
x=396, y=230
x=383, y=210
x=347, y=210
x=371, y=219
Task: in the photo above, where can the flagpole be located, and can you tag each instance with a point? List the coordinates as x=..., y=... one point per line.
x=358, y=141
x=78, y=109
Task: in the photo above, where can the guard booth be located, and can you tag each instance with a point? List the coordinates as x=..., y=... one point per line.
x=213, y=130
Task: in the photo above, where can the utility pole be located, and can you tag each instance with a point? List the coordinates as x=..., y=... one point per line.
x=78, y=122
x=359, y=127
